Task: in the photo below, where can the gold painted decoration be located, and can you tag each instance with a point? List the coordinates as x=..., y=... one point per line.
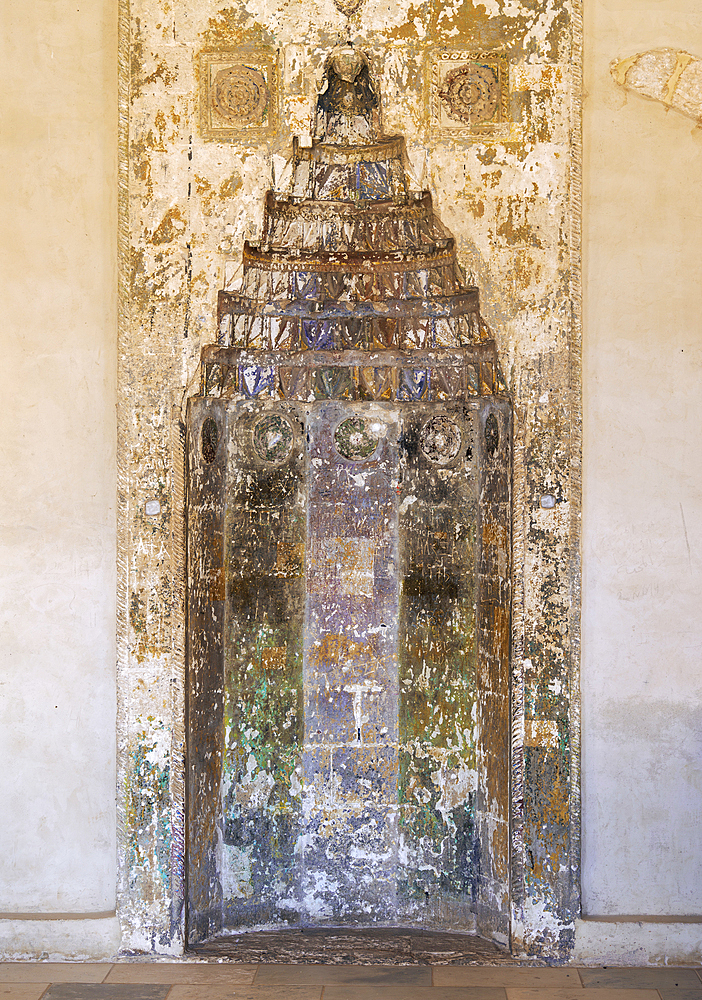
x=469, y=94
x=239, y=94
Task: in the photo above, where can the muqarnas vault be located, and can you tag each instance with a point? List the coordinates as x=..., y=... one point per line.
x=349, y=561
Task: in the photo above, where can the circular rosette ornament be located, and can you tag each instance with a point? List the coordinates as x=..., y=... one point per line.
x=471, y=94
x=240, y=96
x=440, y=440
x=273, y=438
x=354, y=440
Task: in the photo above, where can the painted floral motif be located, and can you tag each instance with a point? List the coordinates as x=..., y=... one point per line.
x=353, y=441
x=273, y=438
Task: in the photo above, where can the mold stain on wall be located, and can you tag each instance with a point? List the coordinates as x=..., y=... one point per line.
x=509, y=192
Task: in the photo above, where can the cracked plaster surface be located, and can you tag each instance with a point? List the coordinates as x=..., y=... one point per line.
x=671, y=76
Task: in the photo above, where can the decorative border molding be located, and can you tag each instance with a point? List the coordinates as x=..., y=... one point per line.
x=535, y=920
x=576, y=443
x=123, y=468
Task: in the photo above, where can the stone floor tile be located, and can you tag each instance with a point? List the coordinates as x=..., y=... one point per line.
x=507, y=976
x=354, y=992
x=679, y=993
x=244, y=993
x=580, y=993
x=330, y=975
x=185, y=973
x=106, y=991
x=53, y=972
x=642, y=979
x=22, y=991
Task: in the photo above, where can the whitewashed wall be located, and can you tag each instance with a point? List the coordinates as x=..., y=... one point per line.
x=642, y=538
x=57, y=486
x=642, y=630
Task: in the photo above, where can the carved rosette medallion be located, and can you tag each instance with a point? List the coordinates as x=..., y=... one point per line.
x=238, y=94
x=273, y=438
x=471, y=94
x=440, y=440
x=353, y=440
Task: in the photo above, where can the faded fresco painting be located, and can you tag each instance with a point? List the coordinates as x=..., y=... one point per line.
x=349, y=454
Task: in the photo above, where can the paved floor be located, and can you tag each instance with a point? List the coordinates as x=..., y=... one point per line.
x=189, y=980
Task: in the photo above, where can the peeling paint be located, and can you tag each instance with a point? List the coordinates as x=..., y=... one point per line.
x=671, y=76
x=511, y=203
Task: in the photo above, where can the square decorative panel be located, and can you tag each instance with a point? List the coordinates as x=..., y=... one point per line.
x=469, y=94
x=238, y=94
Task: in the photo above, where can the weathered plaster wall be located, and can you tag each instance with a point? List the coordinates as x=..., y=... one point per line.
x=510, y=193
x=57, y=525
x=642, y=631
x=642, y=408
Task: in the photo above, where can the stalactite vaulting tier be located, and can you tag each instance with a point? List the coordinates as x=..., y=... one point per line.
x=350, y=259
x=349, y=576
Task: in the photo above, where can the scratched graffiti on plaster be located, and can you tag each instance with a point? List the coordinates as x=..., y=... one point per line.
x=349, y=582
x=148, y=808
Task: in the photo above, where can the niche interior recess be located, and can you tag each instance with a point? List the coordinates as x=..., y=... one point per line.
x=349, y=546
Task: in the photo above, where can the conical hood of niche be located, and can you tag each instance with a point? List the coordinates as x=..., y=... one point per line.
x=348, y=549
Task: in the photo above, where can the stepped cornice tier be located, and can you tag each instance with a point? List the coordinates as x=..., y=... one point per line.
x=361, y=173
x=350, y=259
x=371, y=227
x=424, y=375
x=353, y=262
x=385, y=149
x=231, y=303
